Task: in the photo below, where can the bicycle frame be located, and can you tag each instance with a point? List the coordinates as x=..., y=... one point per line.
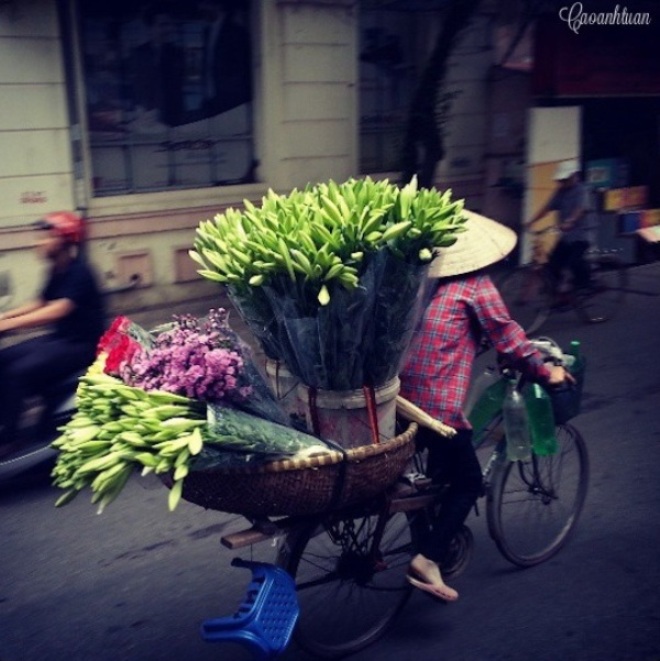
x=359, y=551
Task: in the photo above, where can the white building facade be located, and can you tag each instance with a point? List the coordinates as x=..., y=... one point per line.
x=127, y=113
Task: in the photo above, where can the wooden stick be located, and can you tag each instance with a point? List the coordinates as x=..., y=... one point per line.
x=409, y=411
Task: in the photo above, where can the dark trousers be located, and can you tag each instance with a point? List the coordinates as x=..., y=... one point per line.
x=570, y=255
x=451, y=461
x=29, y=368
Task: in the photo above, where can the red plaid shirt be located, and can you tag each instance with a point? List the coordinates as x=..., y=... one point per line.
x=437, y=375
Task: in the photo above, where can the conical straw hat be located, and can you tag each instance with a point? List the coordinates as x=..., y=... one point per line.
x=484, y=242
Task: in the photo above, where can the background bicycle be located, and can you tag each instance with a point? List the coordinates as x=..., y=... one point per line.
x=531, y=293
x=350, y=566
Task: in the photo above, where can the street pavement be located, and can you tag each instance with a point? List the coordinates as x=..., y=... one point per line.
x=135, y=582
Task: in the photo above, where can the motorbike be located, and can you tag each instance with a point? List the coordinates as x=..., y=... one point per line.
x=34, y=451
x=54, y=408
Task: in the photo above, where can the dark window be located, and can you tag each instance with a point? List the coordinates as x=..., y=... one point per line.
x=168, y=88
x=392, y=49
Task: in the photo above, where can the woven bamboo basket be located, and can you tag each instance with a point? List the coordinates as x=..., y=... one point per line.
x=291, y=487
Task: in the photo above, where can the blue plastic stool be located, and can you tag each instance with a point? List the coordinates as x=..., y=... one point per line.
x=265, y=620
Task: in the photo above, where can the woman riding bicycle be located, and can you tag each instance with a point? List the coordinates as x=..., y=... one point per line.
x=70, y=304
x=465, y=308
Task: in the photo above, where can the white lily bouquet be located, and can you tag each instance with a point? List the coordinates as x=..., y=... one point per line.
x=328, y=278
x=185, y=397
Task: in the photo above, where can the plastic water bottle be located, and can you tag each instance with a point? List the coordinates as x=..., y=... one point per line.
x=541, y=420
x=516, y=425
x=486, y=379
x=485, y=399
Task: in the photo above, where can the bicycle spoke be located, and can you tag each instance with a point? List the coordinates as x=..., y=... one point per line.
x=540, y=476
x=535, y=504
x=350, y=576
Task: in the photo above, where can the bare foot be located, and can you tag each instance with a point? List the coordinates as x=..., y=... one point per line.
x=425, y=575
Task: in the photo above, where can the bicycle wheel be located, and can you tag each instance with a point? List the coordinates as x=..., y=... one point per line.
x=527, y=295
x=534, y=505
x=350, y=572
x=604, y=296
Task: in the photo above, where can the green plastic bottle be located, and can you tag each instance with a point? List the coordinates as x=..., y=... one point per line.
x=567, y=403
x=541, y=420
x=485, y=400
x=573, y=358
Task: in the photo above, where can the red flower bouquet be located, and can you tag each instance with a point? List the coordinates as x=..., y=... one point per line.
x=118, y=345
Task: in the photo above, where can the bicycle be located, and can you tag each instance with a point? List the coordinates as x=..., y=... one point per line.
x=531, y=293
x=350, y=566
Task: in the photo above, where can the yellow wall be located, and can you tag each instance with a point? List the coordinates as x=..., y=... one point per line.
x=541, y=187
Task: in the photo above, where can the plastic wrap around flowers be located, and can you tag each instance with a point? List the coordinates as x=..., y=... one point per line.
x=329, y=278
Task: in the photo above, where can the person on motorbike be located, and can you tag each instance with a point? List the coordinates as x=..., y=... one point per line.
x=464, y=308
x=69, y=306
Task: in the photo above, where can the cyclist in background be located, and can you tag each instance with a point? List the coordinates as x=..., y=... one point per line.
x=572, y=202
x=465, y=308
x=70, y=305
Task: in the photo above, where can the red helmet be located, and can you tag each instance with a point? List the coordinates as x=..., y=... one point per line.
x=67, y=224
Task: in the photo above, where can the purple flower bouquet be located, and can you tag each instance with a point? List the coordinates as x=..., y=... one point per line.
x=198, y=358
